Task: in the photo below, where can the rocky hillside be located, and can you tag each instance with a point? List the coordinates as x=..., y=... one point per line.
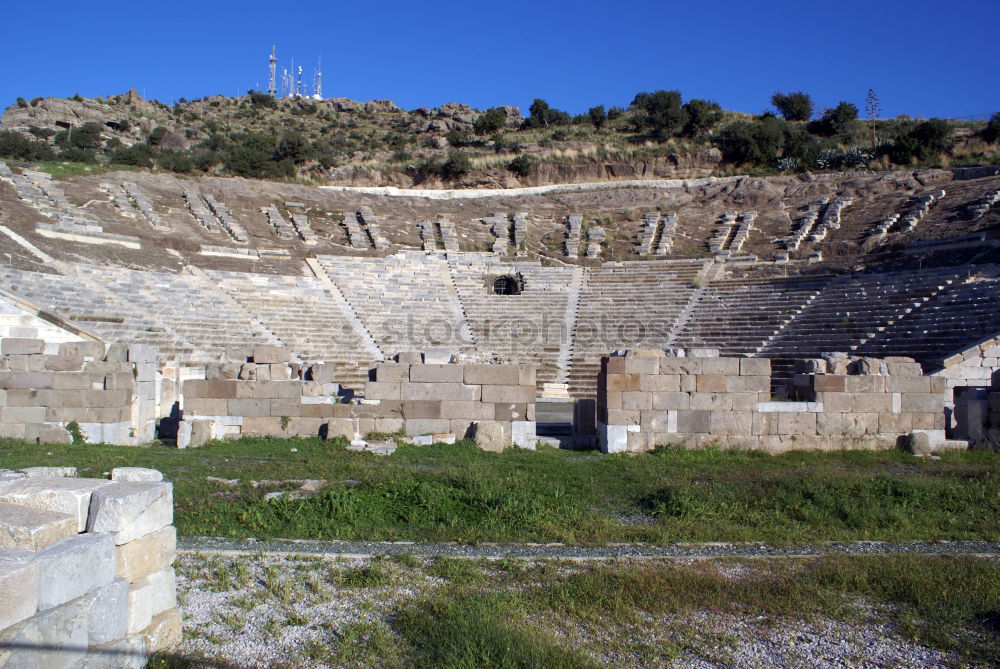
x=342, y=142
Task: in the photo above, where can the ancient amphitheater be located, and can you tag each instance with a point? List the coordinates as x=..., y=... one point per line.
x=814, y=311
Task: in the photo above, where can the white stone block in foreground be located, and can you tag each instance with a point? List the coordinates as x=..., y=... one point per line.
x=33, y=529
x=65, y=495
x=150, y=596
x=18, y=592
x=131, y=510
x=73, y=567
x=129, y=474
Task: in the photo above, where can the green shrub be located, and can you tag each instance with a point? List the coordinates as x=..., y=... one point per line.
x=793, y=107
x=991, y=133
x=490, y=122
x=836, y=120
x=138, y=155
x=520, y=166
x=457, y=165
x=660, y=114
x=703, y=115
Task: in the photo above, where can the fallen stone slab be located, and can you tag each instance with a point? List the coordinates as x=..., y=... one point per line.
x=49, y=472
x=146, y=555
x=129, y=474
x=107, y=613
x=33, y=529
x=131, y=510
x=150, y=596
x=74, y=566
x=65, y=495
x=53, y=639
x=18, y=591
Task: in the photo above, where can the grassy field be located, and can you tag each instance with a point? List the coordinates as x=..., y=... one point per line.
x=408, y=612
x=458, y=493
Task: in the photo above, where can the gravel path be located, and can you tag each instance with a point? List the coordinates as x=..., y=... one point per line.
x=529, y=551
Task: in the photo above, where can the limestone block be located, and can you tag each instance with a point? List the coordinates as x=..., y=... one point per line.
x=895, y=423
x=324, y=372
x=829, y=383
x=259, y=407
x=270, y=354
x=926, y=442
x=463, y=428
x=922, y=402
x=731, y=422
x=438, y=391
x=418, y=426
x=378, y=390
x=860, y=423
x=904, y=368
x=262, y=425
x=748, y=384
x=148, y=597
x=829, y=424
x=645, y=353
x=755, y=367
x=864, y=384
x=523, y=434
x=765, y=424
x=410, y=357
x=25, y=363
x=49, y=472
x=427, y=408
x=694, y=422
x=799, y=423
x=31, y=528
x=52, y=639
x=437, y=355
x=74, y=566
x=23, y=415
x=65, y=495
x=681, y=366
x=21, y=346
x=492, y=375
x=637, y=399
x=623, y=382
x=928, y=421
x=664, y=401
x=711, y=401
x=871, y=402
x=146, y=555
x=721, y=366
x=63, y=363
x=203, y=406
x=280, y=371
x=642, y=365
x=46, y=434
x=623, y=416
x=341, y=427
x=211, y=389
x=107, y=612
x=164, y=631
x=612, y=400
x=506, y=412
x=389, y=425
x=131, y=510
x=527, y=375
x=659, y=383
x=615, y=365
x=639, y=442
x=908, y=384
x=457, y=409
x=127, y=653
x=516, y=394
x=18, y=592
x=437, y=374
x=90, y=350
x=836, y=402
x=491, y=436
x=657, y=421
x=388, y=372
x=710, y=383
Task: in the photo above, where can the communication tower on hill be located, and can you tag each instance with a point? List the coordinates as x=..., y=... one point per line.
x=318, y=80
x=272, y=63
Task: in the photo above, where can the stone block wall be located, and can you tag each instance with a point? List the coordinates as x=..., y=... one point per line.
x=269, y=395
x=110, y=392
x=86, y=568
x=646, y=398
x=969, y=375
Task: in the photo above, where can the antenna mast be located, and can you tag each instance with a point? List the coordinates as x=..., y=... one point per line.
x=298, y=84
x=318, y=81
x=272, y=63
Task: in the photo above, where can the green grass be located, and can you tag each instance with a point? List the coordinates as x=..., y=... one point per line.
x=458, y=493
x=63, y=170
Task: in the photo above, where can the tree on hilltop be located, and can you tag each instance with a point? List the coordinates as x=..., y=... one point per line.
x=660, y=113
x=836, y=120
x=490, y=121
x=795, y=106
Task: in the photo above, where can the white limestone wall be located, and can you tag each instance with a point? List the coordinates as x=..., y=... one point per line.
x=86, y=575
x=971, y=375
x=18, y=321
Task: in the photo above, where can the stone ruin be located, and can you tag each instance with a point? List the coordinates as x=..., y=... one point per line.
x=86, y=568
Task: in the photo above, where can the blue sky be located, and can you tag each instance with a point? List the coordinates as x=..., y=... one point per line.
x=923, y=58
